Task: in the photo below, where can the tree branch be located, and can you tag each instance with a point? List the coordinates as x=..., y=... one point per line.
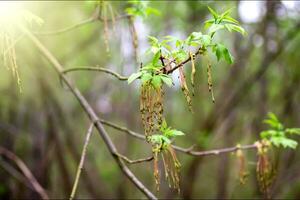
x=95, y=17
x=69, y=28
x=87, y=68
x=89, y=111
x=27, y=173
x=198, y=52
x=134, y=161
x=189, y=150
x=80, y=166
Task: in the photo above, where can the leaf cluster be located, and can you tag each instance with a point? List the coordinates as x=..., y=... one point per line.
x=277, y=134
x=140, y=9
x=164, y=139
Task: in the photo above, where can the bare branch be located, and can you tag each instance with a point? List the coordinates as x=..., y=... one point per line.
x=80, y=166
x=27, y=173
x=89, y=111
x=69, y=28
x=134, y=161
x=87, y=68
x=95, y=17
x=189, y=150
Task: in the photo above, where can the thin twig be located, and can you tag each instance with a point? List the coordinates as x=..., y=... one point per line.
x=27, y=173
x=135, y=161
x=88, y=68
x=80, y=166
x=188, y=150
x=198, y=52
x=95, y=17
x=89, y=111
x=69, y=28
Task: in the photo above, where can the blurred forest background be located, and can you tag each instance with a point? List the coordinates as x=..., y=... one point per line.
x=45, y=126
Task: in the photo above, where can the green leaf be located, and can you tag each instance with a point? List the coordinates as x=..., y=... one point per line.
x=152, y=40
x=293, y=131
x=150, y=10
x=156, y=57
x=214, y=14
x=284, y=142
x=164, y=125
x=156, y=81
x=236, y=28
x=177, y=133
x=273, y=121
x=208, y=23
x=167, y=80
x=230, y=19
x=215, y=27
x=222, y=52
x=206, y=40
x=146, y=77
x=134, y=76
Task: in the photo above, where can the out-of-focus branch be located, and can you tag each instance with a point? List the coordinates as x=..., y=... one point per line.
x=69, y=28
x=100, y=69
x=27, y=173
x=95, y=17
x=80, y=166
x=15, y=173
x=89, y=111
x=189, y=150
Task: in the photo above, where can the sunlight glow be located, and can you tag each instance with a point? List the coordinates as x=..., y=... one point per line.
x=10, y=11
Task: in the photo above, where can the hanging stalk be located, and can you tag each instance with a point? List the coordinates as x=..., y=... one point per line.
x=209, y=82
x=242, y=166
x=184, y=88
x=134, y=37
x=151, y=107
x=192, y=56
x=105, y=23
x=264, y=170
x=9, y=55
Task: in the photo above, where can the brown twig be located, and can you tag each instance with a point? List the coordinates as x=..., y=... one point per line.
x=88, y=68
x=80, y=166
x=198, y=52
x=89, y=111
x=27, y=173
x=135, y=161
x=189, y=150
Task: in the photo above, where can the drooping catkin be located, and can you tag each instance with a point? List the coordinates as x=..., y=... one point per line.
x=134, y=37
x=151, y=107
x=242, y=166
x=184, y=88
x=9, y=55
x=210, y=82
x=103, y=7
x=193, y=73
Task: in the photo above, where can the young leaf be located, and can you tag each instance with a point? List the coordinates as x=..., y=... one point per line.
x=146, y=77
x=214, y=14
x=156, y=81
x=177, y=133
x=293, y=131
x=167, y=80
x=134, y=76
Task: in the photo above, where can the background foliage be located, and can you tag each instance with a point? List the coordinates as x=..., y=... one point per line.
x=45, y=126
